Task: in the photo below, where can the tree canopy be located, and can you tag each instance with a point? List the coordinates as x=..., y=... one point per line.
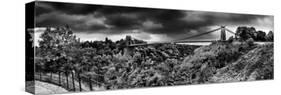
x=245, y=33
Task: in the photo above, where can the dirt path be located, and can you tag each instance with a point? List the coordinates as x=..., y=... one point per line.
x=44, y=88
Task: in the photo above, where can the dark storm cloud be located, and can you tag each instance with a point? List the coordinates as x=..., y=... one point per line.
x=42, y=8
x=122, y=22
x=77, y=22
x=69, y=8
x=99, y=18
x=227, y=18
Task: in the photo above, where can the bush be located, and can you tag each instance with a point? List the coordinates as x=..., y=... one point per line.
x=250, y=41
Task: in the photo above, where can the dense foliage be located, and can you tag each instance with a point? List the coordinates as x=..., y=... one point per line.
x=245, y=33
x=157, y=65
x=223, y=62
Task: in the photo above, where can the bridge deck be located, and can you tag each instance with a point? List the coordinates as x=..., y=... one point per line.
x=146, y=44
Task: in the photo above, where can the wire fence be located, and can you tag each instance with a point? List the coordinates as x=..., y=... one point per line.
x=69, y=80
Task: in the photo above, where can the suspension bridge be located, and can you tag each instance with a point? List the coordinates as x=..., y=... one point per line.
x=222, y=29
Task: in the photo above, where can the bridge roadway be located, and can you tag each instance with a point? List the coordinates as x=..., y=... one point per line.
x=146, y=44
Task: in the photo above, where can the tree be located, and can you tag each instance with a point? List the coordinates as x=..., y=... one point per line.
x=57, y=38
x=231, y=39
x=53, y=46
x=244, y=33
x=269, y=36
x=261, y=36
x=250, y=32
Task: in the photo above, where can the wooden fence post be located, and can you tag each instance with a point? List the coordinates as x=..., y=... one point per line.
x=79, y=80
x=59, y=78
x=90, y=83
x=51, y=77
x=40, y=76
x=66, y=75
x=73, y=82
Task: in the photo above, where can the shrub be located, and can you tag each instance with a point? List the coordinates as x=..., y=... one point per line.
x=250, y=41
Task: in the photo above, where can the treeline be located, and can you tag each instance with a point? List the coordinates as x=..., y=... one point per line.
x=108, y=47
x=244, y=33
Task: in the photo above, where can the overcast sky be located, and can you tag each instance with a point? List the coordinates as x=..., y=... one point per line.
x=95, y=22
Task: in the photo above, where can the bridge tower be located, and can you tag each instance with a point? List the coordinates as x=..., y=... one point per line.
x=128, y=51
x=223, y=35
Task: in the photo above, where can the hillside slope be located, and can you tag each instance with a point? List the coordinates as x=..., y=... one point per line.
x=257, y=64
x=230, y=62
